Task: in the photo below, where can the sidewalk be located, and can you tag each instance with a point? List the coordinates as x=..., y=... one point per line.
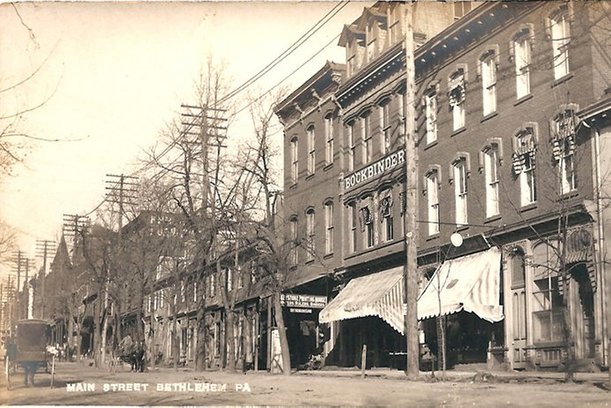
x=462, y=375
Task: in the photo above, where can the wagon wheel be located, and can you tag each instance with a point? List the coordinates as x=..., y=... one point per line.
x=7, y=372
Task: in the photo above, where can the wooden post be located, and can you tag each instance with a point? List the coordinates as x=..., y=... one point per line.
x=363, y=360
x=52, y=369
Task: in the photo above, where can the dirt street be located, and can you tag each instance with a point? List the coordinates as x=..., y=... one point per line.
x=78, y=384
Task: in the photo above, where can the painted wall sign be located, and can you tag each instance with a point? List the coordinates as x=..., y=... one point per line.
x=375, y=169
x=303, y=301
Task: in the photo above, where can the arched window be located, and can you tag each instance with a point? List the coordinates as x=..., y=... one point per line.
x=432, y=199
x=459, y=168
x=521, y=47
x=488, y=63
x=384, y=119
x=352, y=223
x=310, y=232
x=386, y=214
x=560, y=33
x=294, y=238
x=523, y=158
x=350, y=141
x=311, y=136
x=294, y=160
x=329, y=138
x=457, y=96
x=328, y=227
x=491, y=163
x=366, y=137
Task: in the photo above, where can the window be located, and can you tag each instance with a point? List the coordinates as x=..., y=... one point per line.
x=368, y=224
x=351, y=146
x=310, y=223
x=560, y=34
x=328, y=228
x=403, y=201
x=238, y=276
x=352, y=222
x=460, y=190
x=563, y=147
x=386, y=214
x=228, y=279
x=430, y=102
x=182, y=292
x=294, y=253
x=491, y=160
x=367, y=140
x=548, y=322
x=461, y=8
x=294, y=160
x=518, y=294
x=253, y=272
x=311, y=136
x=401, y=108
x=488, y=67
x=524, y=165
x=457, y=99
x=194, y=291
x=329, y=138
x=212, y=285
x=432, y=198
x=521, y=47
x=384, y=115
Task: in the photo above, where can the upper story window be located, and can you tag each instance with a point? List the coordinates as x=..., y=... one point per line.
x=563, y=149
x=521, y=45
x=384, y=116
x=294, y=237
x=386, y=213
x=329, y=227
x=310, y=232
x=459, y=168
x=366, y=137
x=294, y=160
x=367, y=224
x=491, y=174
x=430, y=107
x=352, y=223
x=457, y=96
x=351, y=146
x=560, y=33
x=488, y=71
x=394, y=27
x=461, y=8
x=432, y=198
x=329, y=138
x=311, y=136
x=523, y=157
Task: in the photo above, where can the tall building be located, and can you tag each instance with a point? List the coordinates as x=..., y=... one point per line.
x=511, y=118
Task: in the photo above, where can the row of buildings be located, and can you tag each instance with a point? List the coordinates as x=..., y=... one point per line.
x=513, y=139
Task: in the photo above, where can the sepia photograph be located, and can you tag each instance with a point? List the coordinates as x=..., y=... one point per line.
x=305, y=203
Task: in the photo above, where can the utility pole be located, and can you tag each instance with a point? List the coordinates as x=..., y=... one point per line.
x=17, y=268
x=410, y=271
x=73, y=224
x=43, y=247
x=122, y=190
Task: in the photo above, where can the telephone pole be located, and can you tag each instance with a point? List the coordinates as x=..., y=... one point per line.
x=43, y=248
x=410, y=271
x=74, y=225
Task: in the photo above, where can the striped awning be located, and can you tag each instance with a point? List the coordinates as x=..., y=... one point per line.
x=470, y=283
x=379, y=294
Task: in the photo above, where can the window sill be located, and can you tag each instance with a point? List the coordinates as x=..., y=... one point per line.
x=429, y=145
x=327, y=167
x=562, y=80
x=458, y=131
x=293, y=186
x=489, y=116
x=492, y=218
x=528, y=207
x=462, y=227
x=433, y=237
x=309, y=176
x=293, y=268
x=309, y=262
x=568, y=196
x=523, y=99
x=328, y=256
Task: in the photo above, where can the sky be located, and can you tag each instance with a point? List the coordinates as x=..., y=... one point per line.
x=109, y=76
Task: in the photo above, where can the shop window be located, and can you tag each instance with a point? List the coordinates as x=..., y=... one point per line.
x=548, y=321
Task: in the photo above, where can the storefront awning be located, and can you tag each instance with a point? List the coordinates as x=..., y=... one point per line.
x=470, y=283
x=379, y=294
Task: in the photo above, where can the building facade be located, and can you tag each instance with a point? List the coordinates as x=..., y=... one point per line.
x=507, y=159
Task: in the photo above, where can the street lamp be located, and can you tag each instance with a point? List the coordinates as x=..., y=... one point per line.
x=456, y=239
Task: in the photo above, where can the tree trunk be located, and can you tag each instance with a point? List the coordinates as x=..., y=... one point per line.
x=230, y=339
x=284, y=345
x=569, y=369
x=200, y=353
x=175, y=348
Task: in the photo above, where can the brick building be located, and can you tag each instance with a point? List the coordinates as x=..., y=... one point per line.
x=504, y=96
